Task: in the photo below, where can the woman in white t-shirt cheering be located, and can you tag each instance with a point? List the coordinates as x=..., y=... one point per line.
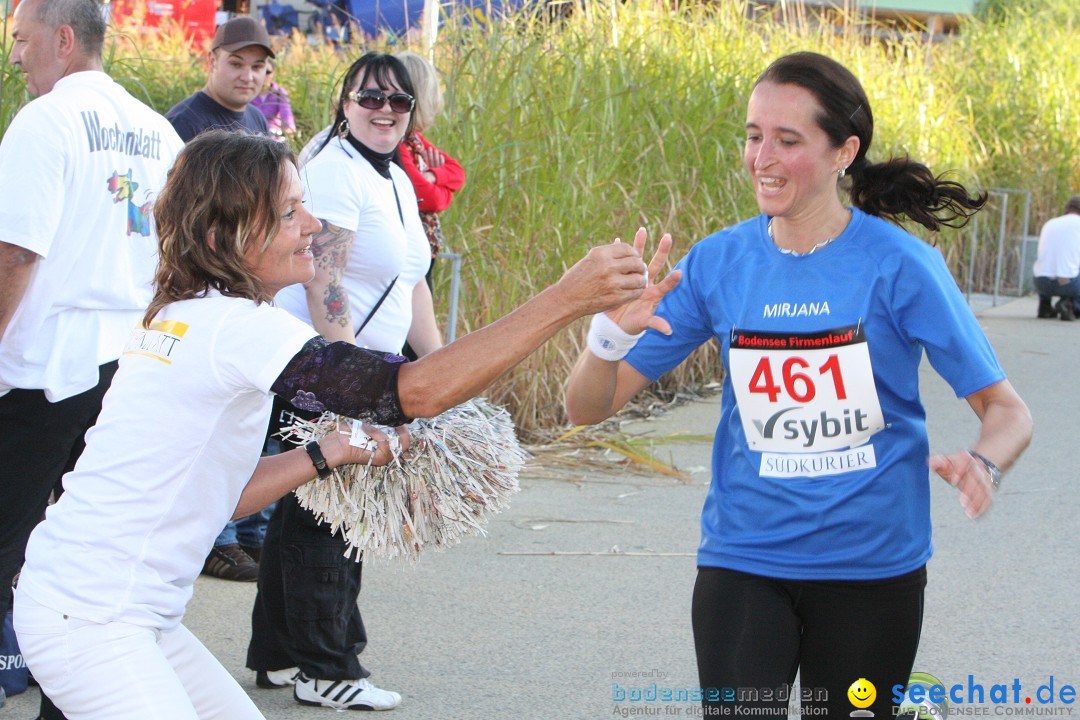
x=175, y=452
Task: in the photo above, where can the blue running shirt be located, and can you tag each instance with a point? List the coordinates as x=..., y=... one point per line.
x=819, y=458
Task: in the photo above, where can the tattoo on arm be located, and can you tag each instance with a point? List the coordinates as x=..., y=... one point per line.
x=331, y=247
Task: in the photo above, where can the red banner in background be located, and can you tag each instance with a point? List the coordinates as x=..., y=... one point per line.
x=196, y=17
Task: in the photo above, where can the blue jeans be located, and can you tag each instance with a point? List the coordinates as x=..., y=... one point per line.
x=249, y=531
x=1049, y=288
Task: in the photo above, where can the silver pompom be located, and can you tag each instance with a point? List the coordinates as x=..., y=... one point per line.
x=461, y=468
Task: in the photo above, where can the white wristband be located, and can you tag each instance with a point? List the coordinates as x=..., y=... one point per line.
x=607, y=341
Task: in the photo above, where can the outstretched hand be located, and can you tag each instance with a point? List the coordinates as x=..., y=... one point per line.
x=613, y=277
x=967, y=475
x=639, y=314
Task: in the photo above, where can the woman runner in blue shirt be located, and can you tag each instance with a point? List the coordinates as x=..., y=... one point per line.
x=816, y=528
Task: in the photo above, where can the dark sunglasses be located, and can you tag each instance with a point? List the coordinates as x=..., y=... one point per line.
x=375, y=99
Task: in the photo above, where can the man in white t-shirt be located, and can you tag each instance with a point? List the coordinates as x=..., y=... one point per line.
x=79, y=168
x=1057, y=267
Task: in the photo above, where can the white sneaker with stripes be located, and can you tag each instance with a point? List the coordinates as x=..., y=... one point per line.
x=344, y=694
x=277, y=678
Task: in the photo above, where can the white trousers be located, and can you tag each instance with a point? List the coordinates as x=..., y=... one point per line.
x=119, y=671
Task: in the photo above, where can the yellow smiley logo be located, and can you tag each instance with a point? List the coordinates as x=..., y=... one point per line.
x=862, y=693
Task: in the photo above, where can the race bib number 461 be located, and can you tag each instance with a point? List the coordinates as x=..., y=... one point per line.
x=804, y=392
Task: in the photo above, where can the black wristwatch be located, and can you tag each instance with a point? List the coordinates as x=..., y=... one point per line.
x=318, y=459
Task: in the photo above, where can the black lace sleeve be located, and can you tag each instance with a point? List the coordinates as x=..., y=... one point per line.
x=343, y=379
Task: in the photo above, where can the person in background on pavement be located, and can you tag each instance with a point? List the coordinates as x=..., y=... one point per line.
x=1057, y=265
x=273, y=102
x=435, y=175
x=816, y=528
x=176, y=450
x=237, y=64
x=371, y=258
x=77, y=254
x=239, y=60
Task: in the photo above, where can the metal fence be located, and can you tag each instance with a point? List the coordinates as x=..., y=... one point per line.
x=997, y=248
x=455, y=293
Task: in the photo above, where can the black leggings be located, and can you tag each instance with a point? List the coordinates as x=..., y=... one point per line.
x=753, y=633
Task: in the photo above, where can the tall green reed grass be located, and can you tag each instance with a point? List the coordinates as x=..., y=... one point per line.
x=577, y=130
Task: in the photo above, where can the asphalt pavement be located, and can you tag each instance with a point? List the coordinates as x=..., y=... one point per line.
x=585, y=582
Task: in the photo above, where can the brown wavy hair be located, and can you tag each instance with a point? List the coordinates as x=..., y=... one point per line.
x=221, y=195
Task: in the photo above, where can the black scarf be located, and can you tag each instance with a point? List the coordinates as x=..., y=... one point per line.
x=379, y=161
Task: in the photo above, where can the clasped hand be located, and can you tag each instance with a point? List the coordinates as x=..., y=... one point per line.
x=615, y=279
x=432, y=157
x=339, y=451
x=639, y=314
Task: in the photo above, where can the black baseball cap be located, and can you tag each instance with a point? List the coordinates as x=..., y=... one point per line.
x=241, y=32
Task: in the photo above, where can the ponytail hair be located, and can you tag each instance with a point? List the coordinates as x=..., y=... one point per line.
x=901, y=188
x=895, y=189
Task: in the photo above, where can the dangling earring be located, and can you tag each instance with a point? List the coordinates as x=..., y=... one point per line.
x=343, y=128
x=841, y=173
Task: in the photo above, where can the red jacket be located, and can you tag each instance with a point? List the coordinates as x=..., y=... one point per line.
x=449, y=178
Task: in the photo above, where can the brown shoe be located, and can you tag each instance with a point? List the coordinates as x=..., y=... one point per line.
x=230, y=562
x=254, y=551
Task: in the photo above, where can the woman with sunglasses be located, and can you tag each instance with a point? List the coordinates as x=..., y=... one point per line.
x=370, y=260
x=816, y=529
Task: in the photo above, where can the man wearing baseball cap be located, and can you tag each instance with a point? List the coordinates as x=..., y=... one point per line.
x=237, y=68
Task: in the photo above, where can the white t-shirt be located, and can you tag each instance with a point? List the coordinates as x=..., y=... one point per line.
x=79, y=169
x=1059, y=248
x=177, y=440
x=343, y=188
